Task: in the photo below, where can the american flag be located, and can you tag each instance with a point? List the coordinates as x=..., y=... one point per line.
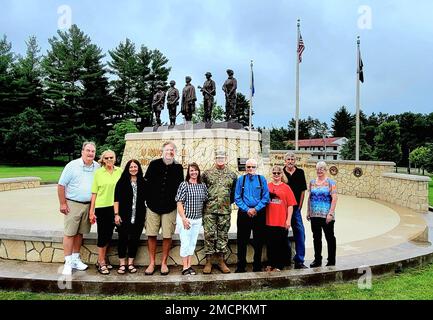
x=301, y=47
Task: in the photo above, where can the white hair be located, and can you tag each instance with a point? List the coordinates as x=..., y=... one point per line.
x=251, y=161
x=321, y=164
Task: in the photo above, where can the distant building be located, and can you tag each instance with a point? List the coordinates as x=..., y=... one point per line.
x=322, y=148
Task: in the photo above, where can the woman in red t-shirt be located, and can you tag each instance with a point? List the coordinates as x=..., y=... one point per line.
x=278, y=216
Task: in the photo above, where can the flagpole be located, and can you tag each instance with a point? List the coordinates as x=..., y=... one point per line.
x=357, y=100
x=297, y=90
x=251, y=98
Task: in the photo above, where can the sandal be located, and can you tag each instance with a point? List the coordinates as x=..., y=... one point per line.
x=186, y=272
x=149, y=272
x=122, y=269
x=165, y=271
x=102, y=268
x=132, y=268
x=192, y=271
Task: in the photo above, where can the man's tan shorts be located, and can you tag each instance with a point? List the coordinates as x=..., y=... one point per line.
x=155, y=221
x=77, y=220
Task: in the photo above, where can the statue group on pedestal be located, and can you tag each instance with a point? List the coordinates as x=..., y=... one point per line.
x=189, y=99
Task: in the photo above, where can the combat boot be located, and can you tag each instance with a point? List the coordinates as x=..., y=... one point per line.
x=208, y=266
x=222, y=265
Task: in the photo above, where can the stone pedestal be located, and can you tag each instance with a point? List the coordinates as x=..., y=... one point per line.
x=195, y=144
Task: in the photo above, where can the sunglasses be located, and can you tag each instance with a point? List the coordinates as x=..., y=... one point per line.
x=108, y=158
x=251, y=167
x=276, y=173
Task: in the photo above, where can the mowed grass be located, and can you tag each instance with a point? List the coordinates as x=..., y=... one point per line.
x=48, y=174
x=412, y=284
x=430, y=191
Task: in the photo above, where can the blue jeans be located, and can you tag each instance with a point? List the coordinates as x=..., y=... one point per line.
x=299, y=236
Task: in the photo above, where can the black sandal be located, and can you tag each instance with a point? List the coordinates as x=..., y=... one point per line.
x=186, y=272
x=102, y=268
x=132, y=268
x=122, y=269
x=192, y=271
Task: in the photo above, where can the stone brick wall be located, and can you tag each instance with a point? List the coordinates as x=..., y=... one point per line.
x=50, y=251
x=194, y=146
x=7, y=184
x=405, y=190
x=376, y=182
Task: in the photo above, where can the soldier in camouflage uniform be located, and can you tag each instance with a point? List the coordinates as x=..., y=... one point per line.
x=221, y=183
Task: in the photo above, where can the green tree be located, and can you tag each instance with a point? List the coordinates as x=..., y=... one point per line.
x=279, y=138
x=27, y=85
x=243, y=110
x=308, y=128
x=137, y=75
x=123, y=65
x=419, y=157
x=116, y=138
x=387, y=142
x=342, y=123
x=348, y=151
x=414, y=132
x=72, y=69
x=30, y=137
x=429, y=158
x=6, y=106
x=217, y=113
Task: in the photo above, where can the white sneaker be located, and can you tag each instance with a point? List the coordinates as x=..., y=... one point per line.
x=67, y=269
x=79, y=265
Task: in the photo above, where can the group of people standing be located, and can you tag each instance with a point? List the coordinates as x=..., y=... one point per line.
x=161, y=199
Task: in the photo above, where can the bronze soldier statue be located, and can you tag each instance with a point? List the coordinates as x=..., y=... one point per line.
x=229, y=87
x=158, y=103
x=172, y=102
x=209, y=91
x=188, y=99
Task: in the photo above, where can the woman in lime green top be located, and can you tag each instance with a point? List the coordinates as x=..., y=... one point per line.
x=102, y=204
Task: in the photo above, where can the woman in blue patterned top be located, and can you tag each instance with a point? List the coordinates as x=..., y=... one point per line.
x=190, y=198
x=321, y=213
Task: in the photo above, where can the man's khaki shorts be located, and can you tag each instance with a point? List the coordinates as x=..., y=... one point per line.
x=155, y=221
x=77, y=220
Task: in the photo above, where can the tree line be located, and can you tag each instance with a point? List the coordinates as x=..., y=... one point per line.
x=401, y=138
x=50, y=103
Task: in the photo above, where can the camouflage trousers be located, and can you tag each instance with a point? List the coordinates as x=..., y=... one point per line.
x=216, y=233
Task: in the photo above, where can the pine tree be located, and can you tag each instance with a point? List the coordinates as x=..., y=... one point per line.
x=72, y=67
x=342, y=123
x=6, y=93
x=27, y=84
x=243, y=110
x=124, y=66
x=387, y=141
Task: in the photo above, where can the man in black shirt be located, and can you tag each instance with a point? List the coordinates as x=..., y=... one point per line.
x=163, y=177
x=296, y=181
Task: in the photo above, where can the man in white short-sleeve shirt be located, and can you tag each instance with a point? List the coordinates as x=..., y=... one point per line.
x=74, y=196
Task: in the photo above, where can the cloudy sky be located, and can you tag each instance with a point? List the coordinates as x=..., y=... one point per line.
x=212, y=35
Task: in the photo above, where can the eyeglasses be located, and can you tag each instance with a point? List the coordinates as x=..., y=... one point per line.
x=108, y=158
x=276, y=173
x=251, y=167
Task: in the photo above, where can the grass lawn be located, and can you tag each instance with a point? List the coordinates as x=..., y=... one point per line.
x=430, y=191
x=47, y=174
x=412, y=284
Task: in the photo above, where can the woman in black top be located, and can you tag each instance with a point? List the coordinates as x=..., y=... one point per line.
x=130, y=213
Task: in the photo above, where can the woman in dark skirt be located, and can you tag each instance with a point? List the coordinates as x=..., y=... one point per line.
x=129, y=213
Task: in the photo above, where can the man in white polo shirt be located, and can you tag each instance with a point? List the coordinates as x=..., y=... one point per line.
x=74, y=196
